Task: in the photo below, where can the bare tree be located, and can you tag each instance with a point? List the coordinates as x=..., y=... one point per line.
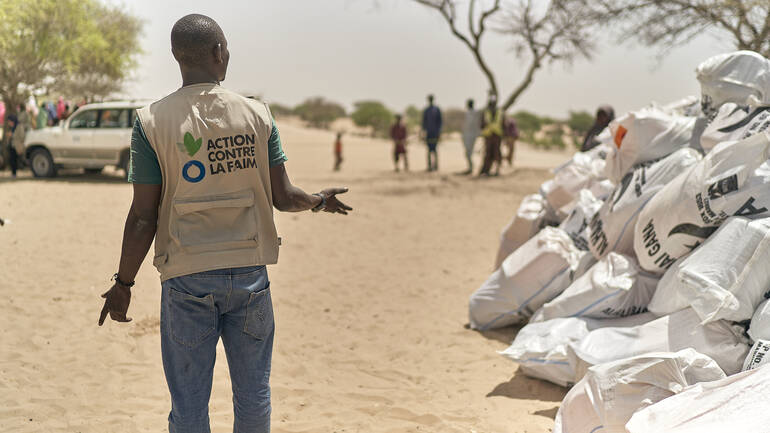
x=670, y=23
x=559, y=32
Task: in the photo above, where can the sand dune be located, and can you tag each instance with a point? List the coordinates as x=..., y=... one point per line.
x=370, y=308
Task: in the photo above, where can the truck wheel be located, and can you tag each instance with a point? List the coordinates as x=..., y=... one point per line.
x=41, y=163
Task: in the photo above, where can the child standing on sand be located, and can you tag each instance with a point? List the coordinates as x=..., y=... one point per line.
x=398, y=135
x=338, y=152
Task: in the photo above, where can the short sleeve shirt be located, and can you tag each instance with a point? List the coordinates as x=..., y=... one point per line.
x=144, y=167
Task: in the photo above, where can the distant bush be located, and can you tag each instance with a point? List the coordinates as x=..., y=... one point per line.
x=545, y=120
x=549, y=133
x=373, y=114
x=413, y=117
x=580, y=122
x=452, y=119
x=319, y=112
x=553, y=138
x=528, y=124
x=280, y=110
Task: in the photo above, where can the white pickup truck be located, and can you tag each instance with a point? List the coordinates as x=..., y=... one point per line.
x=93, y=137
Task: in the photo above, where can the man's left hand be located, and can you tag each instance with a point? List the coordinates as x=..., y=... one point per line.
x=333, y=205
x=116, y=302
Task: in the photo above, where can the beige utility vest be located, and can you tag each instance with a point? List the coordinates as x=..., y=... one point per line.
x=216, y=208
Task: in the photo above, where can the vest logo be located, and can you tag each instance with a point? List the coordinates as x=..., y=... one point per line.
x=191, y=146
x=225, y=155
x=186, y=171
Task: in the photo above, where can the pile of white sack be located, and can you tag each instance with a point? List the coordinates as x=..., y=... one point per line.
x=641, y=271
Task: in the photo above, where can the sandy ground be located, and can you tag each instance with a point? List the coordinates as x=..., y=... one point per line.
x=370, y=308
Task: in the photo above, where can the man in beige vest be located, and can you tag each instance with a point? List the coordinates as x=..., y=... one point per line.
x=207, y=169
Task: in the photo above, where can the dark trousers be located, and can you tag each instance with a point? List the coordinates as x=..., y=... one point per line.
x=491, y=153
x=13, y=160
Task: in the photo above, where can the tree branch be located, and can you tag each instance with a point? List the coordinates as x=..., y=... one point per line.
x=447, y=10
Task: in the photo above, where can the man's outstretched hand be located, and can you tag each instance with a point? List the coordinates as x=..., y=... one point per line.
x=116, y=302
x=333, y=205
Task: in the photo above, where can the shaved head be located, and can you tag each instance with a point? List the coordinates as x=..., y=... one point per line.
x=194, y=38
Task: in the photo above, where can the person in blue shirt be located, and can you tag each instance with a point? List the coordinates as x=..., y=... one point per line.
x=431, y=126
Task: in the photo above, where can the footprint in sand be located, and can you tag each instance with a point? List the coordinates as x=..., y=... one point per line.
x=146, y=326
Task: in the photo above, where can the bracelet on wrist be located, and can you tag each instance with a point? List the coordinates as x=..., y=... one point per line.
x=321, y=206
x=117, y=279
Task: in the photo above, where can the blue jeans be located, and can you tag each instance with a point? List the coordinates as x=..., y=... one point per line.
x=196, y=310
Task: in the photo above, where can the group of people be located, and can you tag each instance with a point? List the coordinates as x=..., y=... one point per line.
x=489, y=123
x=496, y=129
x=29, y=116
x=50, y=114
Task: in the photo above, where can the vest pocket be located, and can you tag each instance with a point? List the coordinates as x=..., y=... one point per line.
x=215, y=222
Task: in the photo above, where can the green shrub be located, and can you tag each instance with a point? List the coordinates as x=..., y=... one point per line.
x=528, y=124
x=452, y=119
x=319, y=112
x=413, y=117
x=580, y=122
x=373, y=114
x=280, y=110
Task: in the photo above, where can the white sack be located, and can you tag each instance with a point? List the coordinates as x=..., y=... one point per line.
x=734, y=404
x=609, y=394
x=758, y=355
x=741, y=77
x=580, y=172
x=614, y=287
x=688, y=106
x=553, y=217
x=719, y=340
x=541, y=351
x=733, y=123
x=666, y=299
x=731, y=180
x=612, y=228
x=584, y=209
x=727, y=277
x=585, y=264
x=602, y=189
x=759, y=329
x=528, y=278
x=645, y=135
x=527, y=221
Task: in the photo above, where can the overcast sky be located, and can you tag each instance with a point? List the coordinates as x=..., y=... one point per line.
x=347, y=50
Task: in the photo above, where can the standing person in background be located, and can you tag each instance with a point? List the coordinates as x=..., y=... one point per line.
x=510, y=135
x=61, y=108
x=213, y=229
x=51, y=109
x=13, y=158
x=471, y=131
x=67, y=112
x=604, y=115
x=398, y=135
x=338, y=152
x=431, y=126
x=492, y=131
x=42, y=117
x=23, y=124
